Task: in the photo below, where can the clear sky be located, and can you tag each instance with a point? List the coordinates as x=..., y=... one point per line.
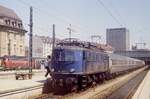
x=88, y=17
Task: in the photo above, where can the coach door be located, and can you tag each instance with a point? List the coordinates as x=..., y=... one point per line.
x=106, y=62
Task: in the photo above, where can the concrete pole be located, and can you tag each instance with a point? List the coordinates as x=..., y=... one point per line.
x=70, y=33
x=30, y=40
x=53, y=35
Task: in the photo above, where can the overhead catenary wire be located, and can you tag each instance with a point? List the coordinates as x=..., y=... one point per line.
x=68, y=17
x=109, y=12
x=117, y=13
x=42, y=11
x=39, y=27
x=49, y=14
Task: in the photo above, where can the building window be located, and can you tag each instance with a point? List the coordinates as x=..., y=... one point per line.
x=6, y=21
x=20, y=25
x=15, y=36
x=9, y=22
x=13, y=23
x=21, y=50
x=1, y=20
x=14, y=48
x=21, y=38
x=9, y=47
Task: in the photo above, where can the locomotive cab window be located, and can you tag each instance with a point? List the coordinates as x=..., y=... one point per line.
x=66, y=55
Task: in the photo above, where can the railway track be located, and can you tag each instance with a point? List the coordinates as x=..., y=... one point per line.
x=107, y=90
x=90, y=93
x=128, y=89
x=13, y=93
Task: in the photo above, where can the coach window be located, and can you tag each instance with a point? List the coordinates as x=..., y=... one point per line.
x=93, y=56
x=113, y=62
x=97, y=59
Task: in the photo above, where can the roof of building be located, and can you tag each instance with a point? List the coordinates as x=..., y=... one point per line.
x=6, y=12
x=46, y=39
x=121, y=28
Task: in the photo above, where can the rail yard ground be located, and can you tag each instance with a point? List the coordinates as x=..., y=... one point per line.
x=103, y=91
x=11, y=88
x=18, y=89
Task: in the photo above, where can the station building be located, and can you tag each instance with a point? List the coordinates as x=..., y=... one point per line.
x=12, y=33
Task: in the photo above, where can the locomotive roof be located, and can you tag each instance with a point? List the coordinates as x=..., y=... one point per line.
x=69, y=47
x=84, y=45
x=78, y=48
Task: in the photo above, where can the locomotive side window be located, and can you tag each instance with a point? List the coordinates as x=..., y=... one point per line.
x=69, y=56
x=91, y=56
x=97, y=58
x=88, y=56
x=94, y=57
x=58, y=55
x=65, y=55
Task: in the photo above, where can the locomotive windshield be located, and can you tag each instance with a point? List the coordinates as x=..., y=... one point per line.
x=64, y=55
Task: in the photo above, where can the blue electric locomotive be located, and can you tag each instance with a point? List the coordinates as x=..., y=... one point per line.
x=77, y=65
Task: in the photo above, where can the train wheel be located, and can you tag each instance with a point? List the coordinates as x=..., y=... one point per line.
x=74, y=88
x=69, y=85
x=108, y=76
x=100, y=77
x=75, y=85
x=94, y=80
x=103, y=77
x=54, y=84
x=83, y=82
x=111, y=76
x=89, y=80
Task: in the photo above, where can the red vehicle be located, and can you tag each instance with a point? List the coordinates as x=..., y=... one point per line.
x=15, y=62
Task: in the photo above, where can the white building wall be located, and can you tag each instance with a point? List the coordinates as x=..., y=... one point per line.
x=42, y=46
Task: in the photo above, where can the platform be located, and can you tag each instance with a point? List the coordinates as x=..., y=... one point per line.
x=10, y=88
x=13, y=84
x=11, y=74
x=143, y=91
x=14, y=71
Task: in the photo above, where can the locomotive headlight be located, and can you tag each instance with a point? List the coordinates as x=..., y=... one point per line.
x=72, y=70
x=52, y=70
